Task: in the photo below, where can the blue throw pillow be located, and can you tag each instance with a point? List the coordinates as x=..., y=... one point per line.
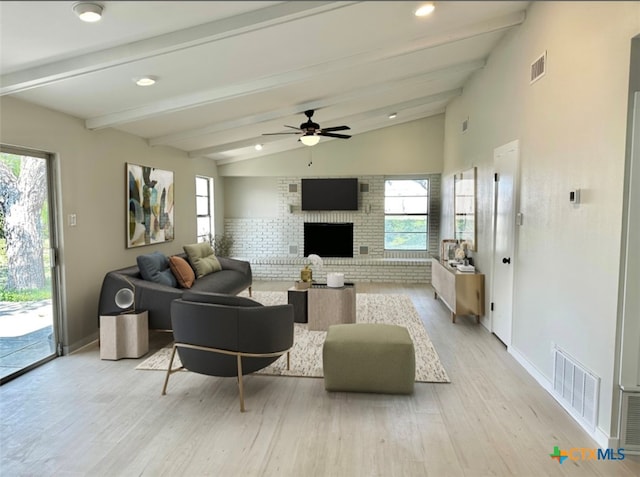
x=154, y=267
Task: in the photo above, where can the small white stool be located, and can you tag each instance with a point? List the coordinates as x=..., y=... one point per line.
x=125, y=335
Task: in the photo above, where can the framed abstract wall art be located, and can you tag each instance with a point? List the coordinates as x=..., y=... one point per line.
x=149, y=205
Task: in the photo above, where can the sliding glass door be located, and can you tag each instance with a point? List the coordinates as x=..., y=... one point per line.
x=28, y=270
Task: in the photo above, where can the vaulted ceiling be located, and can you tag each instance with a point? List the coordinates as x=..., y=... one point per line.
x=227, y=72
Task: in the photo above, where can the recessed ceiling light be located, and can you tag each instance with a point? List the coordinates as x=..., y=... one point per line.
x=258, y=147
x=145, y=80
x=88, y=12
x=425, y=9
x=393, y=115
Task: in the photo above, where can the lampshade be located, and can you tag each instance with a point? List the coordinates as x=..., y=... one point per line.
x=88, y=12
x=310, y=139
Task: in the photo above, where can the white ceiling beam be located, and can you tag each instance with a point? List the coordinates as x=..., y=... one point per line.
x=444, y=96
x=374, y=113
x=278, y=80
x=162, y=44
x=373, y=90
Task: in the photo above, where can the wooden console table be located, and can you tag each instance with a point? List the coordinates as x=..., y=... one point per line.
x=461, y=292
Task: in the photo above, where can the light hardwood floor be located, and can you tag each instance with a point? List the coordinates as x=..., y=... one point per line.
x=78, y=415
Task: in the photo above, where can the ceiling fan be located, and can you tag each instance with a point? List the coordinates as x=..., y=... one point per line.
x=311, y=131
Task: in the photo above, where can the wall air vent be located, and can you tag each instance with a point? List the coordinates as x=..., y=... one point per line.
x=538, y=68
x=576, y=388
x=630, y=422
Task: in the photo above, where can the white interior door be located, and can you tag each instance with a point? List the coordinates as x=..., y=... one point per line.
x=505, y=160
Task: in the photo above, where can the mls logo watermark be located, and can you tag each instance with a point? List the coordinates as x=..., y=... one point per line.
x=585, y=453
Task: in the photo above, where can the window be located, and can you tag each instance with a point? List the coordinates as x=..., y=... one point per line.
x=406, y=207
x=204, y=208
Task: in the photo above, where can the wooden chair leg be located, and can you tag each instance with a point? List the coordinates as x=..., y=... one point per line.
x=240, y=384
x=166, y=379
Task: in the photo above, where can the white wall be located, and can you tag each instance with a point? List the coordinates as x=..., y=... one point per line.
x=91, y=166
x=571, y=125
x=251, y=197
x=415, y=147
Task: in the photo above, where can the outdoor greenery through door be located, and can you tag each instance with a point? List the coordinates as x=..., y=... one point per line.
x=27, y=334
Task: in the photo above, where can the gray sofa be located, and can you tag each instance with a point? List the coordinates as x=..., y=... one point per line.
x=156, y=298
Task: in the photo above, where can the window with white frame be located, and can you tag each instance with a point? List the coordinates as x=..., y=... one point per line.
x=204, y=208
x=406, y=214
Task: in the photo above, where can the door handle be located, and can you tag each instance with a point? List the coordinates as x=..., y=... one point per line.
x=506, y=260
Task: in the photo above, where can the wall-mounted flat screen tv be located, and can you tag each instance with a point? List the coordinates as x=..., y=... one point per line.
x=330, y=194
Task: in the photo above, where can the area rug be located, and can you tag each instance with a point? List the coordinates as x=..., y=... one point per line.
x=306, y=354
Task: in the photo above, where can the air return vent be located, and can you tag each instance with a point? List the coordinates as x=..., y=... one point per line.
x=538, y=68
x=630, y=422
x=576, y=388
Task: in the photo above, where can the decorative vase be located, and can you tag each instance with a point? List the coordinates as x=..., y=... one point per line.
x=306, y=274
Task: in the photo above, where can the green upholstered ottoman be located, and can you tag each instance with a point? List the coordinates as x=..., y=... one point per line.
x=369, y=357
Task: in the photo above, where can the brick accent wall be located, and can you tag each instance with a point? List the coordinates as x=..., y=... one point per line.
x=275, y=245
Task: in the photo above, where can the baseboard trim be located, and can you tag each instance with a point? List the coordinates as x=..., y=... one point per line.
x=602, y=438
x=78, y=345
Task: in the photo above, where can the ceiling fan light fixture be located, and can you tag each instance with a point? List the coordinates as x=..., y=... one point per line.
x=88, y=12
x=258, y=147
x=425, y=9
x=310, y=139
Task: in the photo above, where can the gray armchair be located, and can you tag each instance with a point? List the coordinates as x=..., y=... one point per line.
x=228, y=336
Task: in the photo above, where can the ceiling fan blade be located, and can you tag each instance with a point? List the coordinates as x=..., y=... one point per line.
x=275, y=134
x=328, y=134
x=292, y=127
x=336, y=128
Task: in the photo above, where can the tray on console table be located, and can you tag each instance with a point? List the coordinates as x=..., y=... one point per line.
x=461, y=292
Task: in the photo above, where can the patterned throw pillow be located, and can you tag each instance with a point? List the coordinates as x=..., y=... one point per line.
x=182, y=271
x=202, y=258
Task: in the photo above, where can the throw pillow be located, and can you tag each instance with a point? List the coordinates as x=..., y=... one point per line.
x=182, y=271
x=219, y=299
x=202, y=259
x=154, y=267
